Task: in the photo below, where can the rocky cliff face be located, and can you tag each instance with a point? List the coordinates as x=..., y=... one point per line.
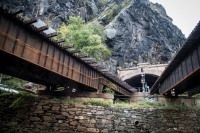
x=143, y=33
x=137, y=30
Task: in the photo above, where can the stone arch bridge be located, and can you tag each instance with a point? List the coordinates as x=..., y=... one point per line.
x=133, y=75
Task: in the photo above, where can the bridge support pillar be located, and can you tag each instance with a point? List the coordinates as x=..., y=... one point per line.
x=100, y=88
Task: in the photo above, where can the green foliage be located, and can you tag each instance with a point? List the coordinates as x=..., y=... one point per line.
x=67, y=100
x=109, y=17
x=114, y=11
x=135, y=62
x=98, y=102
x=75, y=23
x=90, y=37
x=196, y=96
x=17, y=101
x=147, y=104
x=103, y=2
x=13, y=82
x=85, y=1
x=20, y=101
x=108, y=91
x=120, y=103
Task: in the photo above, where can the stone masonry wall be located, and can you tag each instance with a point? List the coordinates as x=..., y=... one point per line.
x=47, y=116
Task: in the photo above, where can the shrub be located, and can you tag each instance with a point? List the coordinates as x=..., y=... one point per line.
x=108, y=91
x=89, y=37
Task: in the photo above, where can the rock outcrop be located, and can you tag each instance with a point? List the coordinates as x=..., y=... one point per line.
x=137, y=30
x=143, y=33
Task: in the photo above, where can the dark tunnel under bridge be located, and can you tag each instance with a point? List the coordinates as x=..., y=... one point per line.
x=135, y=81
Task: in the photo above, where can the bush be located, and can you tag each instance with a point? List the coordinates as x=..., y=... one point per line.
x=88, y=37
x=13, y=82
x=108, y=91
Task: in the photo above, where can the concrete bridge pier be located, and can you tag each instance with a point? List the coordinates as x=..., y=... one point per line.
x=139, y=96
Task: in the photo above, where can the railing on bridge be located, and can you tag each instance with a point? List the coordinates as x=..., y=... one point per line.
x=18, y=38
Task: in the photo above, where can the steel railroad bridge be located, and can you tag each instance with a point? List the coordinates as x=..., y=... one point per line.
x=183, y=72
x=28, y=51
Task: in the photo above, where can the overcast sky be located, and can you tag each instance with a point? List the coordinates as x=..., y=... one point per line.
x=185, y=13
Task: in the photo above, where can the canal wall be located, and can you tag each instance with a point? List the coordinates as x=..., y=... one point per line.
x=44, y=115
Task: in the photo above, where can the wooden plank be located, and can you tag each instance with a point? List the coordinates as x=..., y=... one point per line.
x=82, y=55
x=60, y=40
x=68, y=46
x=75, y=51
x=33, y=20
x=42, y=28
x=19, y=11
x=51, y=35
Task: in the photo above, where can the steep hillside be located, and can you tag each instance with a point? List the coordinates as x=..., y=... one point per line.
x=137, y=30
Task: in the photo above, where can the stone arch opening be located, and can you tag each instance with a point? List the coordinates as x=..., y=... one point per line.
x=135, y=81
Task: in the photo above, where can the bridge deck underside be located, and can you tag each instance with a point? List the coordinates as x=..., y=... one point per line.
x=23, y=69
x=28, y=55
x=183, y=72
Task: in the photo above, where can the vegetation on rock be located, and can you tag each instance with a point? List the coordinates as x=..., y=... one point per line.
x=89, y=37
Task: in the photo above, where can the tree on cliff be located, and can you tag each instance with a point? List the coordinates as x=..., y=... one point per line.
x=89, y=37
